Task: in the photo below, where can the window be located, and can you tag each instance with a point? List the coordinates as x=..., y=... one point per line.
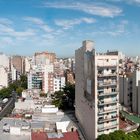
x=113, y=90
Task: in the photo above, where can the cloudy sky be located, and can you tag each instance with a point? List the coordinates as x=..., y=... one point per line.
x=60, y=26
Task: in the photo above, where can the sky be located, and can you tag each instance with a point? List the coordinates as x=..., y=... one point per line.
x=60, y=26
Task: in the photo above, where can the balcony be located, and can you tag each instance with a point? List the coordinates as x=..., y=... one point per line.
x=103, y=111
x=107, y=94
x=107, y=83
x=102, y=102
x=108, y=127
x=112, y=118
x=106, y=66
x=107, y=75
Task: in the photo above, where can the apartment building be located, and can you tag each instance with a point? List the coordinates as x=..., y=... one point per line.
x=136, y=92
x=41, y=77
x=97, y=88
x=69, y=75
x=59, y=83
x=5, y=77
x=4, y=60
x=35, y=77
x=44, y=58
x=18, y=62
x=125, y=90
x=129, y=85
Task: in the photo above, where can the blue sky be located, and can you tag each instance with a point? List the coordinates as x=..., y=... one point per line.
x=60, y=26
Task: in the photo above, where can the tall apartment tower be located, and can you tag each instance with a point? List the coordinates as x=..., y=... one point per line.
x=136, y=92
x=97, y=95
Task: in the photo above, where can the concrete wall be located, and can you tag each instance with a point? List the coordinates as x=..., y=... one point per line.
x=85, y=112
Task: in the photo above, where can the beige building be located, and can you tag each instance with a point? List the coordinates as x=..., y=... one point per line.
x=18, y=63
x=126, y=90
x=129, y=84
x=44, y=58
x=136, y=92
x=96, y=103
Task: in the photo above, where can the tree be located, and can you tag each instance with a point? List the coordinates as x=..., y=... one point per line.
x=120, y=135
x=65, y=98
x=69, y=90
x=17, y=86
x=104, y=137
x=19, y=90
x=58, y=99
x=23, y=80
x=4, y=92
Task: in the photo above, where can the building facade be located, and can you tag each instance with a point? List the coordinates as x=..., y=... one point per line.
x=44, y=58
x=97, y=88
x=41, y=77
x=5, y=78
x=59, y=83
x=126, y=90
x=129, y=84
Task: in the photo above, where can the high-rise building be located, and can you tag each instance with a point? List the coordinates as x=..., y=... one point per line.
x=40, y=77
x=44, y=58
x=125, y=90
x=4, y=60
x=97, y=95
x=136, y=92
x=18, y=63
x=5, y=77
x=129, y=85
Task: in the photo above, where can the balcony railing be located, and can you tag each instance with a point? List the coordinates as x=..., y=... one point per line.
x=107, y=94
x=107, y=75
x=106, y=66
x=107, y=119
x=105, y=111
x=109, y=83
x=107, y=127
x=107, y=102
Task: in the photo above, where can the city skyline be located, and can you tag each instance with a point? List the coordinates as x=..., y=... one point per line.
x=57, y=26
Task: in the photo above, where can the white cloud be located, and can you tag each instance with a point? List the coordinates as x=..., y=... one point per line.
x=126, y=1
x=5, y=21
x=99, y=9
x=11, y=32
x=66, y=24
x=114, y=29
x=40, y=23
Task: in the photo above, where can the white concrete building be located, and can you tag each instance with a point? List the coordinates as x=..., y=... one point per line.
x=4, y=60
x=48, y=78
x=27, y=64
x=14, y=73
x=59, y=83
x=96, y=103
x=5, y=77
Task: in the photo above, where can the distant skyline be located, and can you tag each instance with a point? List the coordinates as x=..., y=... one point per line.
x=60, y=26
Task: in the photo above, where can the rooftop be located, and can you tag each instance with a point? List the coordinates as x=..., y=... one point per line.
x=55, y=136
